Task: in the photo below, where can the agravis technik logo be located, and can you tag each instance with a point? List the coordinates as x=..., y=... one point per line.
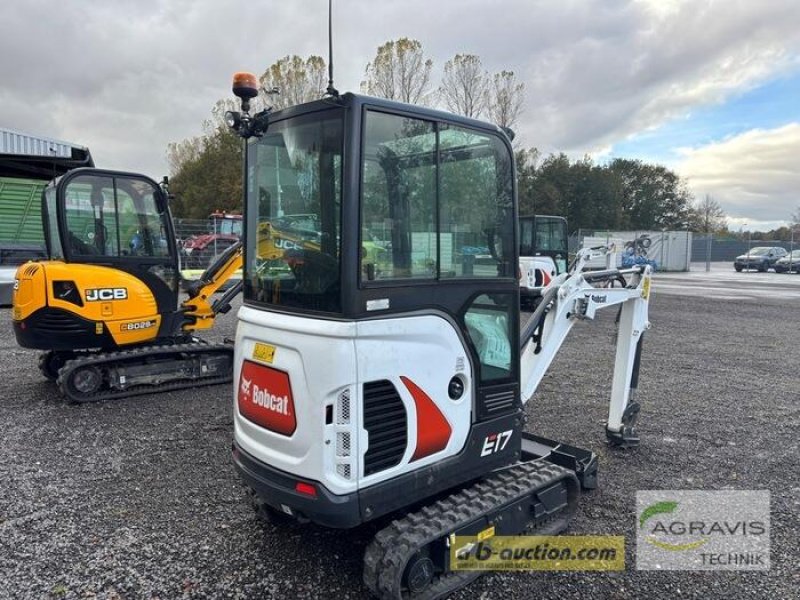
x=682, y=529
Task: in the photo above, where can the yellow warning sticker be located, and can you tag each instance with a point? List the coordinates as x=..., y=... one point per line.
x=646, y=288
x=486, y=534
x=264, y=352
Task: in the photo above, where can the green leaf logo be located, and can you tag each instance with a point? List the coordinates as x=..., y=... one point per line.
x=660, y=508
x=667, y=506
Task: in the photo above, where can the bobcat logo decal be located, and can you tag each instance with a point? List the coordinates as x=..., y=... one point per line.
x=245, y=386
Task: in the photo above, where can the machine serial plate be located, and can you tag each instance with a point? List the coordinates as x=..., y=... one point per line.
x=264, y=352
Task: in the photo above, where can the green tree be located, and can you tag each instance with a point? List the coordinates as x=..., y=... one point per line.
x=653, y=197
x=627, y=194
x=206, y=171
x=399, y=71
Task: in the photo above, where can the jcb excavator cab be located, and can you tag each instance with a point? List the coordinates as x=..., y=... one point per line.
x=111, y=277
x=114, y=219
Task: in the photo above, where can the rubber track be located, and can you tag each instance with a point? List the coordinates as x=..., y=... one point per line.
x=102, y=360
x=389, y=552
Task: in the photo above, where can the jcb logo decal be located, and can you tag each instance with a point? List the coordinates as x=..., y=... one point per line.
x=136, y=325
x=496, y=442
x=287, y=244
x=106, y=294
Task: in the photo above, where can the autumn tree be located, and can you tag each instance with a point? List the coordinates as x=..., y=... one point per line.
x=297, y=80
x=505, y=99
x=708, y=216
x=464, y=85
x=399, y=71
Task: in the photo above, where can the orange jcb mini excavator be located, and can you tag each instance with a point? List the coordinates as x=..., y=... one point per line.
x=105, y=306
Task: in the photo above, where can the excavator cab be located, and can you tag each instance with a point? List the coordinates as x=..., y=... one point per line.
x=543, y=254
x=377, y=354
x=111, y=278
x=117, y=220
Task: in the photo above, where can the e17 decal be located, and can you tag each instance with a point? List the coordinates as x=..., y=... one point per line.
x=106, y=294
x=496, y=442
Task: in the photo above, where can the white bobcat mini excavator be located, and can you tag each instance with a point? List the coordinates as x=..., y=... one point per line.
x=383, y=371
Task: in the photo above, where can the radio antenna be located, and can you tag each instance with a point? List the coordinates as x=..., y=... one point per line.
x=331, y=91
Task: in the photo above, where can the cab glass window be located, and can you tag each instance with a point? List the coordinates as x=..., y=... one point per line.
x=436, y=201
x=398, y=220
x=294, y=214
x=475, y=204
x=114, y=216
x=489, y=320
x=54, y=248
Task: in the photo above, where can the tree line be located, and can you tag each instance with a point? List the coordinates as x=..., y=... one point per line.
x=623, y=194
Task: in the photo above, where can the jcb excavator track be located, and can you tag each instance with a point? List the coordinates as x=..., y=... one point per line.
x=145, y=370
x=389, y=555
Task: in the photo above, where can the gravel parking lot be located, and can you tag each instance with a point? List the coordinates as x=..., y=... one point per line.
x=139, y=499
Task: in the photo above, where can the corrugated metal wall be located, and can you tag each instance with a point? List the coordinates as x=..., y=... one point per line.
x=13, y=142
x=21, y=210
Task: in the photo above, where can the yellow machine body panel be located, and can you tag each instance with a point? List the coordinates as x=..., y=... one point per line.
x=116, y=302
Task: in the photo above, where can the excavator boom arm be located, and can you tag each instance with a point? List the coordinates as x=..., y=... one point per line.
x=199, y=309
x=576, y=296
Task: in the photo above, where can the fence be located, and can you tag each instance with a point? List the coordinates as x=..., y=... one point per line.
x=710, y=249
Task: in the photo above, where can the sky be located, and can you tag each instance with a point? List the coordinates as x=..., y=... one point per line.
x=711, y=89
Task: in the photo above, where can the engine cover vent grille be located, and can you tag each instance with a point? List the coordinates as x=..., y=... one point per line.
x=496, y=402
x=386, y=422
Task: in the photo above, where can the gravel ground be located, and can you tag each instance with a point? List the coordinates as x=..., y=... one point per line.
x=139, y=499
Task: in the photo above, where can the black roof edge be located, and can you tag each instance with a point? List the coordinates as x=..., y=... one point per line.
x=352, y=100
x=43, y=167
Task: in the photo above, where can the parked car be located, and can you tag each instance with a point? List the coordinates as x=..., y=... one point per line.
x=790, y=262
x=762, y=258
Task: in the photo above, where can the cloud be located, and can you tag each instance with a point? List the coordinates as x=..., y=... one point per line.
x=754, y=174
x=127, y=77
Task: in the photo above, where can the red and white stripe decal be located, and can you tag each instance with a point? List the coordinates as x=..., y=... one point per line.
x=433, y=430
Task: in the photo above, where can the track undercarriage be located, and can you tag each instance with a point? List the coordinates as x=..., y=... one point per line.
x=410, y=558
x=94, y=376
